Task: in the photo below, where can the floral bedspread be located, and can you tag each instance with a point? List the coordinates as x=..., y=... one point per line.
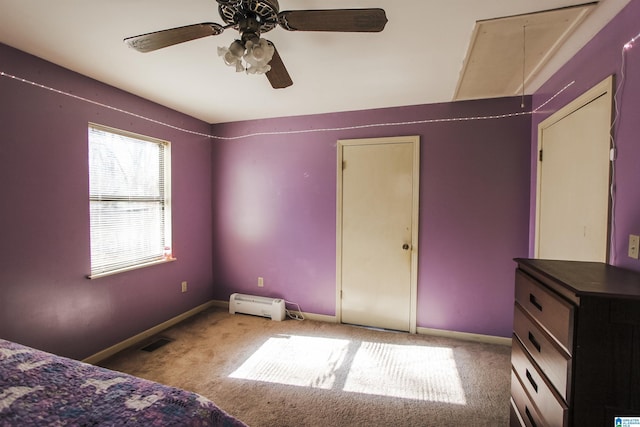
x=42, y=389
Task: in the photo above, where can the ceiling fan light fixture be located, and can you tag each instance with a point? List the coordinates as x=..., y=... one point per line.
x=232, y=55
x=258, y=55
x=253, y=56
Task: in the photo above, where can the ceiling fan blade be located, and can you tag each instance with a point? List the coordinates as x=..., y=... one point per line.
x=346, y=20
x=159, y=39
x=278, y=75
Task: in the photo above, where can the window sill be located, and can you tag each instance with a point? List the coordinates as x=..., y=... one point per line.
x=133, y=267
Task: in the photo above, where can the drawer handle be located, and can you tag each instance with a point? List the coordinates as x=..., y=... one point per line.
x=532, y=381
x=534, y=341
x=534, y=301
x=526, y=411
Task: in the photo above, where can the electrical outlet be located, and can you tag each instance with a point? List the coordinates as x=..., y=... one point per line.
x=260, y=282
x=184, y=286
x=634, y=244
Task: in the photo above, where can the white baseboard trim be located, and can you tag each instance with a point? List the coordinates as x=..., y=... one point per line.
x=108, y=352
x=220, y=304
x=465, y=336
x=318, y=317
x=307, y=316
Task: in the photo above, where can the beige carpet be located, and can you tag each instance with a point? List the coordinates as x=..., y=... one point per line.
x=309, y=373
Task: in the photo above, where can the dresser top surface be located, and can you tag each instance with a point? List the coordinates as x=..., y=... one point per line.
x=587, y=278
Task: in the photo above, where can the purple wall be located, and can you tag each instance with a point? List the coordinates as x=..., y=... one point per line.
x=45, y=299
x=275, y=209
x=600, y=58
x=268, y=203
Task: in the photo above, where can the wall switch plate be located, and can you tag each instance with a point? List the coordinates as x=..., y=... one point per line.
x=634, y=244
x=260, y=282
x=184, y=286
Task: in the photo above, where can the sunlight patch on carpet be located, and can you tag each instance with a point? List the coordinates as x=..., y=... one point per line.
x=295, y=360
x=402, y=371
x=406, y=371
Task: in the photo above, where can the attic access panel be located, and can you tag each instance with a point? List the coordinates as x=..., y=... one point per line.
x=494, y=63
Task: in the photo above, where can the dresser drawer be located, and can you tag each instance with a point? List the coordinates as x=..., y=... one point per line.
x=528, y=412
x=515, y=420
x=550, y=310
x=549, y=357
x=551, y=406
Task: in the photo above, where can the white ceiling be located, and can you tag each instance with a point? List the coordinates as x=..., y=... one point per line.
x=417, y=59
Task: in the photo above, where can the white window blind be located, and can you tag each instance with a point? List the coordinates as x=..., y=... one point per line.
x=129, y=197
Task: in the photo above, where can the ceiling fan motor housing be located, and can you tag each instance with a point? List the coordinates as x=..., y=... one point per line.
x=237, y=12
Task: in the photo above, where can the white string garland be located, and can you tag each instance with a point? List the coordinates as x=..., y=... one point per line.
x=290, y=132
x=614, y=124
x=100, y=104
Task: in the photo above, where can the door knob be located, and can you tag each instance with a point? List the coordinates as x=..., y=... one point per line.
x=405, y=246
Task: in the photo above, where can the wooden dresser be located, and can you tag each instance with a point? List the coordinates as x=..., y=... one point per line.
x=575, y=354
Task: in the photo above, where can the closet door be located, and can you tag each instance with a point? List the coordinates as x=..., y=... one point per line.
x=574, y=178
x=377, y=232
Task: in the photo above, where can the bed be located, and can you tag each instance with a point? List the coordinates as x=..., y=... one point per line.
x=39, y=388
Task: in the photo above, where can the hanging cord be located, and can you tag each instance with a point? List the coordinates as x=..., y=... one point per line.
x=524, y=61
x=612, y=130
x=294, y=315
x=617, y=98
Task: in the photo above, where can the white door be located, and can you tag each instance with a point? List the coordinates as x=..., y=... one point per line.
x=377, y=232
x=573, y=179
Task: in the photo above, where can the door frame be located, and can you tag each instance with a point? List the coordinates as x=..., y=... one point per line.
x=415, y=141
x=604, y=88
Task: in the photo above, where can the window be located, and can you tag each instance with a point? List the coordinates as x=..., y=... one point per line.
x=129, y=198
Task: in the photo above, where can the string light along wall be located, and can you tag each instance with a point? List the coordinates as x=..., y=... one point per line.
x=626, y=47
x=616, y=120
x=290, y=132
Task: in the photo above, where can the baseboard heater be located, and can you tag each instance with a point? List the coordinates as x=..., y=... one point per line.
x=258, y=306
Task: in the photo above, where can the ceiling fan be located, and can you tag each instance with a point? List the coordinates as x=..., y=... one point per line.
x=250, y=18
